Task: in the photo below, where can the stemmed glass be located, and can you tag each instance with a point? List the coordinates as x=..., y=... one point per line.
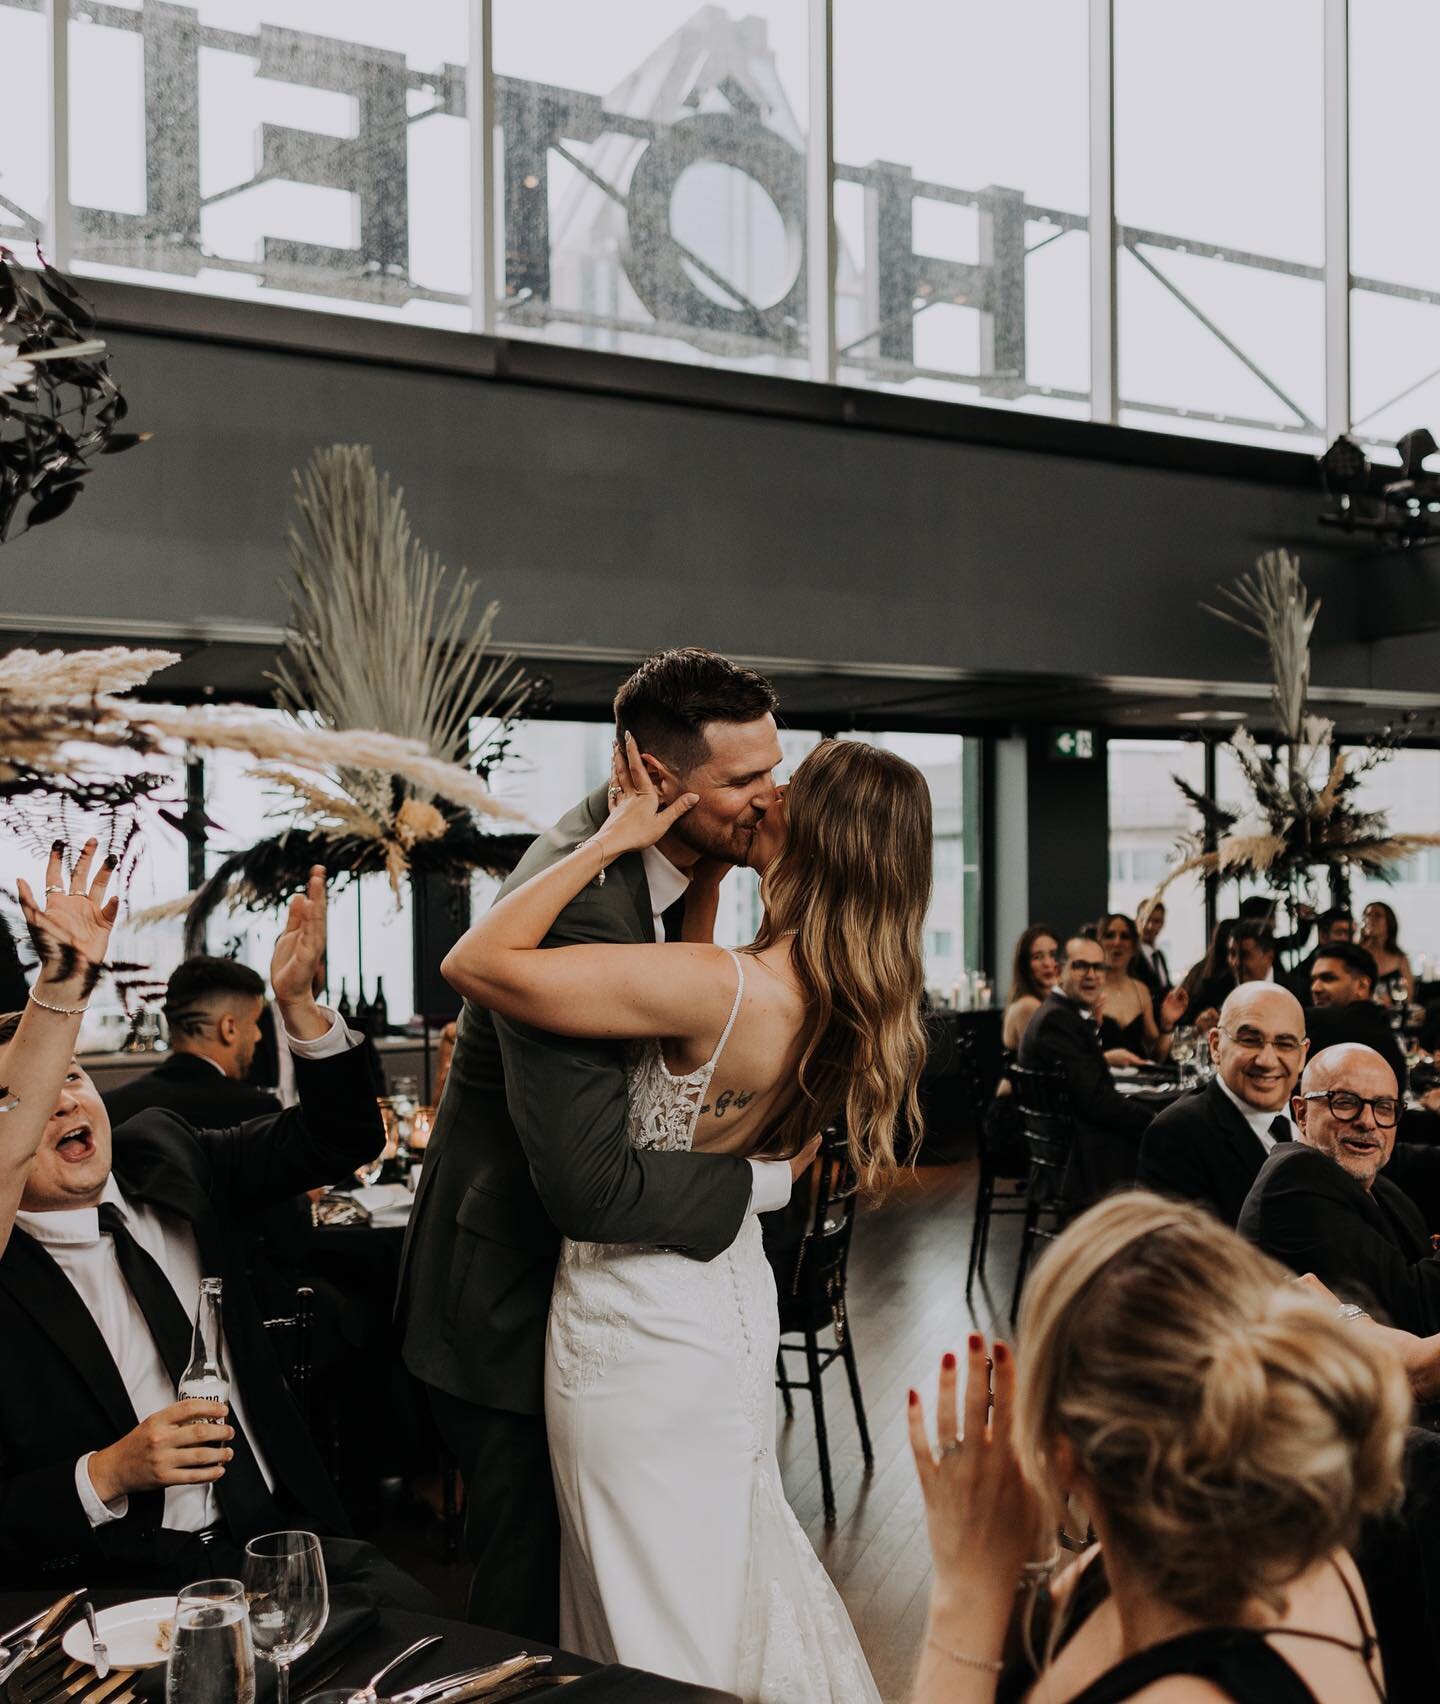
x=1183, y=1046
x=289, y=1598
x=211, y=1657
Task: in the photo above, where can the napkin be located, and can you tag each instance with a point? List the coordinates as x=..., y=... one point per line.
x=353, y=1611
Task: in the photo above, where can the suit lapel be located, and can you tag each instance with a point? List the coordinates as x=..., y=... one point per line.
x=47, y=1295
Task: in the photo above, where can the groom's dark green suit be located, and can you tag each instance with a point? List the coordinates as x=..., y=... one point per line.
x=530, y=1143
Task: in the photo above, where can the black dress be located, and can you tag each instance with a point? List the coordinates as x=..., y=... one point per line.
x=1238, y=1661
x=1131, y=1036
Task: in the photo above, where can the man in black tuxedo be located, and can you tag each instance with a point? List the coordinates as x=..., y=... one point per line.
x=213, y=1008
x=1320, y=1204
x=1149, y=964
x=1062, y=1036
x=1332, y=928
x=1209, y=1146
x=1342, y=1005
x=530, y=1139
x=104, y=1475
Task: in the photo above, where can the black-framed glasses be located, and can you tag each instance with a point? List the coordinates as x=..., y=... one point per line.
x=1087, y=967
x=1345, y=1106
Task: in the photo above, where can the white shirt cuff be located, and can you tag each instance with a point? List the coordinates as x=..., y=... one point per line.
x=339, y=1038
x=771, y=1187
x=96, y=1512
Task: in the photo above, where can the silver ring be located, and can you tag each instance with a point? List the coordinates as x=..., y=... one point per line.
x=57, y=888
x=614, y=793
x=949, y=1449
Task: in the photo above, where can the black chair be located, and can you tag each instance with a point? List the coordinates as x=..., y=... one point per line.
x=1004, y=1168
x=1049, y=1124
x=810, y=1280
x=292, y=1336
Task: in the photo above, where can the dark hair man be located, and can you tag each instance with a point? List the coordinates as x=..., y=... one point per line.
x=530, y=1139
x=1332, y=927
x=213, y=1008
x=1342, y=1005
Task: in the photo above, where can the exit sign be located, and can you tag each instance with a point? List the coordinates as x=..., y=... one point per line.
x=1072, y=745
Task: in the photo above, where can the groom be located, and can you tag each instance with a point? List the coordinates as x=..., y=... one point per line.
x=530, y=1141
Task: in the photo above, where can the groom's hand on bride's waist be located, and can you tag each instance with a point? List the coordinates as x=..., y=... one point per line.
x=802, y=1162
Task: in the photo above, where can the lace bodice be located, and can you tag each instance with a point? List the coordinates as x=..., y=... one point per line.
x=664, y=1107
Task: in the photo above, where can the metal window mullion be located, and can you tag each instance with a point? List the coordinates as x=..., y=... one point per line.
x=1337, y=217
x=58, y=239
x=1104, y=364
x=820, y=194
x=480, y=114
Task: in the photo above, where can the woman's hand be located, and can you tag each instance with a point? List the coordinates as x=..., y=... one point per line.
x=983, y=1519
x=71, y=929
x=636, y=818
x=1172, y=1008
x=1123, y=1056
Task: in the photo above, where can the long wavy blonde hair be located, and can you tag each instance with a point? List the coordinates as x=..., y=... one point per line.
x=853, y=885
x=1234, y=1431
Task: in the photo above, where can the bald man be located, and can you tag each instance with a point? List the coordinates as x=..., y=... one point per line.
x=1209, y=1146
x=1320, y=1204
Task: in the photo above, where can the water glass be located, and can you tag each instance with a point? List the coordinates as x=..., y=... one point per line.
x=211, y=1658
x=289, y=1598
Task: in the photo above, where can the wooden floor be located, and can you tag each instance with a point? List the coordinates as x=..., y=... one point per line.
x=906, y=1307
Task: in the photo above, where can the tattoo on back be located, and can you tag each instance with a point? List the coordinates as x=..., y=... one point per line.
x=728, y=1100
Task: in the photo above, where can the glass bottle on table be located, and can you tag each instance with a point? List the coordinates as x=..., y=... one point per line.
x=342, y=1005
x=205, y=1376
x=379, y=1010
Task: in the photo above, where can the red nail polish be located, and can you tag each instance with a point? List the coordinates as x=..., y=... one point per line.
x=1002, y=1352
x=977, y=1342
x=914, y=1398
x=947, y=1360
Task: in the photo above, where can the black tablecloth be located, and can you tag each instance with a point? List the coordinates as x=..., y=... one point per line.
x=463, y=1646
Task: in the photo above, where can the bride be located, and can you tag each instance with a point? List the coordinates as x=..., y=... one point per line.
x=679, y=1551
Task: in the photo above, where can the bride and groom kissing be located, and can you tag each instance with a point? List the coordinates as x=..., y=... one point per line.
x=584, y=1292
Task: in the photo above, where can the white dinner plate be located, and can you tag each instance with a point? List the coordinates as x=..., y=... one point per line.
x=1124, y=1070
x=131, y=1632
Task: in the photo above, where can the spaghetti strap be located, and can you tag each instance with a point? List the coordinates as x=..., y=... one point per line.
x=714, y=1058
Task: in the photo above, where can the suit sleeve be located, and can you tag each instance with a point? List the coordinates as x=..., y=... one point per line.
x=1170, y=1161
x=568, y=1100
x=1093, y=1094
x=335, y=1128
x=44, y=1530
x=1312, y=1231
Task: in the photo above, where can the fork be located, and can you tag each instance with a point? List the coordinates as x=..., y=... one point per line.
x=366, y=1693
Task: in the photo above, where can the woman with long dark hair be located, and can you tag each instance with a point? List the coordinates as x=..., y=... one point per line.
x=1380, y=934
x=679, y=1551
x=1034, y=971
x=1130, y=1030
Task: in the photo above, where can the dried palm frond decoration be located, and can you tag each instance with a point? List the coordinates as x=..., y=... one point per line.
x=382, y=635
x=59, y=406
x=1303, y=813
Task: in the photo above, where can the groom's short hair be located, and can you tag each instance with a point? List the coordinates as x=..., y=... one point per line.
x=666, y=704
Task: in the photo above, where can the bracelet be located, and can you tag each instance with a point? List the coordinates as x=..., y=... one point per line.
x=1035, y=1574
x=965, y=1659
x=580, y=847
x=63, y=1011
x=1351, y=1310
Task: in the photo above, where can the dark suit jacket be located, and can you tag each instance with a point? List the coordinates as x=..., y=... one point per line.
x=1361, y=1020
x=61, y=1394
x=1368, y=1246
x=1107, y=1125
x=530, y=1143
x=190, y=1086
x=1156, y=977
x=1201, y=1149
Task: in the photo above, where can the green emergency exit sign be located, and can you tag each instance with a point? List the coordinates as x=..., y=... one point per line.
x=1072, y=745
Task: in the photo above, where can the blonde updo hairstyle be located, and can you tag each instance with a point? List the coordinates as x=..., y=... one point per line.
x=1233, y=1430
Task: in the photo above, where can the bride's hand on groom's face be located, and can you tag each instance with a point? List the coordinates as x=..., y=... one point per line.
x=637, y=818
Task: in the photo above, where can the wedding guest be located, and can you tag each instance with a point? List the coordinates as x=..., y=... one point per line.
x=1209, y=1147
x=1151, y=965
x=1342, y=1005
x=104, y=1476
x=1062, y=1037
x=1320, y=1204
x=1331, y=928
x=1380, y=932
x=1229, y=1439
x=1208, y=980
x=213, y=1008
x=1130, y=1031
x=1034, y=971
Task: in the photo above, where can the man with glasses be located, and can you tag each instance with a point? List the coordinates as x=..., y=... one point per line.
x=1321, y=1205
x=1209, y=1146
x=1063, y=1037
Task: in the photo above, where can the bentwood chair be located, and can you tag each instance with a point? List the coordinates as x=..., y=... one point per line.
x=1049, y=1125
x=1003, y=1173
x=810, y=1272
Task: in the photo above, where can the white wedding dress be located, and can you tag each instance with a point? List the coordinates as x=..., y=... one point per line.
x=679, y=1553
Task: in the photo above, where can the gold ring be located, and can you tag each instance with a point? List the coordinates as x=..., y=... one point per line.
x=949, y=1449
x=614, y=793
x=55, y=889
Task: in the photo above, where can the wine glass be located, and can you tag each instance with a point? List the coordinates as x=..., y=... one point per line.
x=289, y=1598
x=211, y=1658
x=1182, y=1049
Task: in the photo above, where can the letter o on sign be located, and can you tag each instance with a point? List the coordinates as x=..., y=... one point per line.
x=652, y=259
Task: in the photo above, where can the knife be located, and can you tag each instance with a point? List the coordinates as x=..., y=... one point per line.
x=471, y=1683
x=24, y=1646
x=97, y=1645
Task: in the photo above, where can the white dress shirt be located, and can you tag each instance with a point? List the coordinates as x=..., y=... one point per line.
x=770, y=1179
x=1258, y=1121
x=73, y=1240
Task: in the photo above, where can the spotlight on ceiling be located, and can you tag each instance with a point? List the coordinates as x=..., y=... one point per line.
x=1397, y=513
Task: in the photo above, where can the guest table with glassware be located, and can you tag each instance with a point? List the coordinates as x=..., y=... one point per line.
x=51, y=1676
